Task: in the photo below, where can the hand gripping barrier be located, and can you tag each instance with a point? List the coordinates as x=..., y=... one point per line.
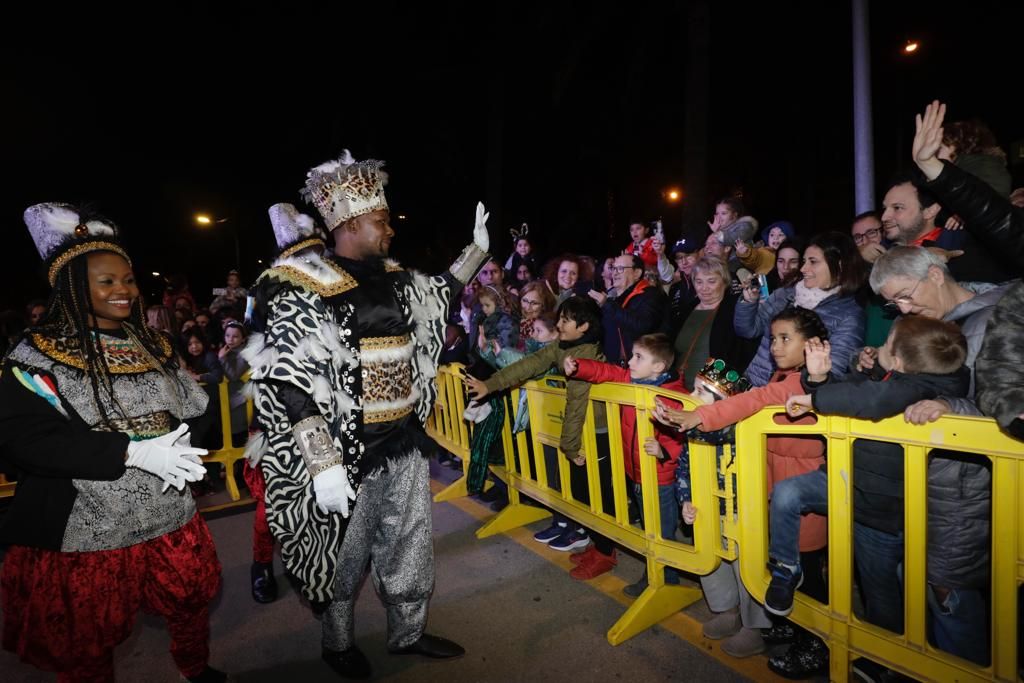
x=716, y=536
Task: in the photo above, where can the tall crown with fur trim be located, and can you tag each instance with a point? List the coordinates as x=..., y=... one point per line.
x=293, y=231
x=346, y=188
x=60, y=235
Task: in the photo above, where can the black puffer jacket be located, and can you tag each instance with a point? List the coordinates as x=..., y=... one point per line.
x=997, y=223
x=999, y=367
x=877, y=465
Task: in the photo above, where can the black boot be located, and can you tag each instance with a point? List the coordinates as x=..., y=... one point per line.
x=807, y=657
x=350, y=663
x=434, y=647
x=264, y=586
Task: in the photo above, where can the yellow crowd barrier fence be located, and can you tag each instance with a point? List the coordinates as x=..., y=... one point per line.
x=723, y=482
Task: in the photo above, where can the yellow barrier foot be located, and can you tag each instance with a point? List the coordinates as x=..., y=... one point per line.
x=457, y=489
x=653, y=605
x=512, y=517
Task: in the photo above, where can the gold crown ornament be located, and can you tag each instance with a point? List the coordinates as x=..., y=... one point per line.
x=346, y=188
x=60, y=235
x=720, y=378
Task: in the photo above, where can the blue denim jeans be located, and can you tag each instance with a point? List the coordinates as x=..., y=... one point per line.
x=669, y=508
x=960, y=623
x=791, y=499
x=879, y=557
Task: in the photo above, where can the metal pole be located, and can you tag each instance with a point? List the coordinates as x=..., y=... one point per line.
x=863, y=139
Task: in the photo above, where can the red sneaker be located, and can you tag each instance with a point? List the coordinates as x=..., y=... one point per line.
x=582, y=557
x=597, y=564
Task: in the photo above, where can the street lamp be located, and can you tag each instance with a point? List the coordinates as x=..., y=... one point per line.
x=910, y=47
x=206, y=220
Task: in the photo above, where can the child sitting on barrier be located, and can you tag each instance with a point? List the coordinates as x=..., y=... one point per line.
x=787, y=456
x=922, y=359
x=649, y=364
x=579, y=334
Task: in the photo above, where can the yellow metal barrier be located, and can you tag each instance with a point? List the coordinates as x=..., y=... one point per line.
x=228, y=454
x=847, y=636
x=716, y=537
x=6, y=487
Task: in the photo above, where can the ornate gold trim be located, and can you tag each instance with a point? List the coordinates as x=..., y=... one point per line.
x=381, y=343
x=392, y=267
x=47, y=346
x=299, y=246
x=303, y=279
x=389, y=415
x=80, y=249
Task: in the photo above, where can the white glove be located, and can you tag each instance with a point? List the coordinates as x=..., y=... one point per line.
x=333, y=491
x=480, y=235
x=164, y=458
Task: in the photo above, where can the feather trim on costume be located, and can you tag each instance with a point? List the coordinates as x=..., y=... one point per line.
x=256, y=447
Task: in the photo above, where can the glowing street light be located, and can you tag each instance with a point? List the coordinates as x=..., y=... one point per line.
x=673, y=195
x=203, y=219
x=910, y=47
x=156, y=274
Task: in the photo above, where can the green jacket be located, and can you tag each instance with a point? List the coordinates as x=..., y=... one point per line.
x=577, y=392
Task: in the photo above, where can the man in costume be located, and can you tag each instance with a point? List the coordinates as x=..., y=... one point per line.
x=343, y=375
x=92, y=404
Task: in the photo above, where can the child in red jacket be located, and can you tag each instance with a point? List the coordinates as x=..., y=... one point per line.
x=649, y=364
x=793, y=331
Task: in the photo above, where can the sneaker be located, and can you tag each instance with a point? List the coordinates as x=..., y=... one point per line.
x=597, y=564
x=570, y=540
x=722, y=625
x=805, y=658
x=551, y=533
x=778, y=599
x=746, y=642
x=579, y=558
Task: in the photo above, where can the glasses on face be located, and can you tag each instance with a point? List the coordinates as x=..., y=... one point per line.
x=905, y=299
x=867, y=236
x=530, y=302
x=621, y=269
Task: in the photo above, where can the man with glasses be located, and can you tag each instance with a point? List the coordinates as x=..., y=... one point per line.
x=637, y=311
x=915, y=281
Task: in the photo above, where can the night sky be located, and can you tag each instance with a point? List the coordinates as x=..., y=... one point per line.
x=572, y=118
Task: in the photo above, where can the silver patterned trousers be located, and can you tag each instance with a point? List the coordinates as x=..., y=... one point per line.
x=391, y=528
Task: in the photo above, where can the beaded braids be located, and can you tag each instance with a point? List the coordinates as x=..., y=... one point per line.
x=67, y=315
x=807, y=322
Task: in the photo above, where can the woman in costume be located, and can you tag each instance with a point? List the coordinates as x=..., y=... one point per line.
x=92, y=404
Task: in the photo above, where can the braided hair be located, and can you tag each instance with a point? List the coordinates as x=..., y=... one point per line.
x=68, y=312
x=807, y=322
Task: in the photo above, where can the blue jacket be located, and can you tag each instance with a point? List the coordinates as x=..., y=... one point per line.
x=842, y=315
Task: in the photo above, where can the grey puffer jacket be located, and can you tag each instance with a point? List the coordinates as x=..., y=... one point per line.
x=842, y=315
x=959, y=484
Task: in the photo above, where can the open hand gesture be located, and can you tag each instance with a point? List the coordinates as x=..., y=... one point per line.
x=928, y=139
x=570, y=366
x=475, y=388
x=481, y=237
x=817, y=356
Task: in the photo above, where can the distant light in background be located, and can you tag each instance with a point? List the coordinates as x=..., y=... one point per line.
x=259, y=261
x=401, y=216
x=911, y=46
x=203, y=219
x=673, y=195
x=156, y=274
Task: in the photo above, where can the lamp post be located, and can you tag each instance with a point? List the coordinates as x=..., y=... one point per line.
x=205, y=220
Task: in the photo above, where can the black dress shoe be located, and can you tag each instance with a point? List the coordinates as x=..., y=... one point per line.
x=435, y=647
x=208, y=675
x=264, y=585
x=350, y=663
